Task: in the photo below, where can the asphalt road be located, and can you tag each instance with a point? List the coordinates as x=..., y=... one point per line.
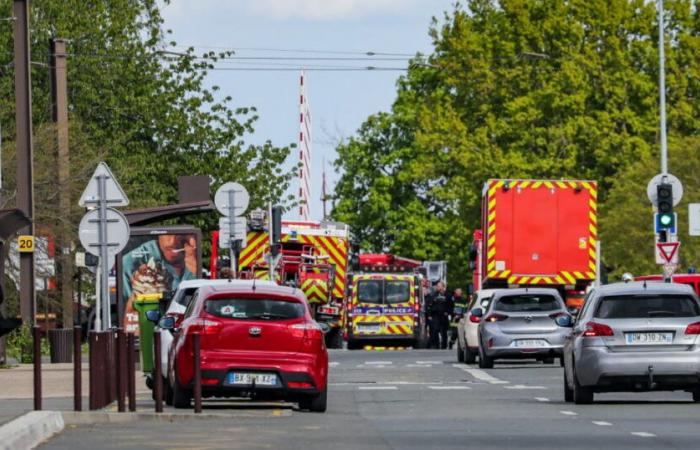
x=419, y=400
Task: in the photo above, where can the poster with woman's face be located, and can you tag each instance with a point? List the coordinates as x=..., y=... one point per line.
x=153, y=264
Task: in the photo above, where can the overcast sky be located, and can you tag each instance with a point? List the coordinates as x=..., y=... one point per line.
x=340, y=100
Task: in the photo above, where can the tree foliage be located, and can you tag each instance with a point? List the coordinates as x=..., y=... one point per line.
x=514, y=89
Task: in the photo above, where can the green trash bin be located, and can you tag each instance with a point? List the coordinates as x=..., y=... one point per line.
x=143, y=303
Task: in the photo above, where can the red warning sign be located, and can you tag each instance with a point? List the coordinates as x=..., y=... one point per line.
x=667, y=252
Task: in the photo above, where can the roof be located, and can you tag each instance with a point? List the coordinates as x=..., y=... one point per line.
x=199, y=282
x=246, y=286
x=641, y=287
x=525, y=291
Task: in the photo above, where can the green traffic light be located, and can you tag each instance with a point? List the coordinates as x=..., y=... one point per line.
x=665, y=220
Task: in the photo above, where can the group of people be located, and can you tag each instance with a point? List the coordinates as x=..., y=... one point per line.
x=443, y=311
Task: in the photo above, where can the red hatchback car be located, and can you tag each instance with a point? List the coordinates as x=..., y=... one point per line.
x=254, y=342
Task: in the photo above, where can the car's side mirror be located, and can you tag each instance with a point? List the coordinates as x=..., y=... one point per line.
x=153, y=316
x=564, y=321
x=477, y=312
x=167, y=323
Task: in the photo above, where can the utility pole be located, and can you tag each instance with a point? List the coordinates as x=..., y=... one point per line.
x=25, y=186
x=662, y=91
x=59, y=100
x=324, y=196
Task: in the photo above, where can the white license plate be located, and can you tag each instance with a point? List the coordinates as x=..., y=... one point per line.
x=649, y=338
x=371, y=328
x=330, y=310
x=530, y=343
x=260, y=379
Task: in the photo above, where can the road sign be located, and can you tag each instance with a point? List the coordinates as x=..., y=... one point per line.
x=117, y=232
x=667, y=252
x=112, y=192
x=239, y=231
x=694, y=219
x=25, y=244
x=658, y=179
x=658, y=226
x=231, y=199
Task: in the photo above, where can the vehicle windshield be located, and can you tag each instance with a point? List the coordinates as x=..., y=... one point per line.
x=646, y=306
x=383, y=292
x=527, y=303
x=254, y=308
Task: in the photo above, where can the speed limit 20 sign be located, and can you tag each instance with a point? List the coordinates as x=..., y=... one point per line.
x=26, y=244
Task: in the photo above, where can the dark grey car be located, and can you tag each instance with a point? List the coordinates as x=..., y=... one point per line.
x=634, y=337
x=521, y=323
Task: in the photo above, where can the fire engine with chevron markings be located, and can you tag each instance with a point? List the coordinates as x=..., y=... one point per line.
x=312, y=256
x=537, y=233
x=385, y=302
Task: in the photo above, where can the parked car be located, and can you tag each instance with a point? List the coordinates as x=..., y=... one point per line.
x=521, y=323
x=255, y=342
x=637, y=336
x=468, y=327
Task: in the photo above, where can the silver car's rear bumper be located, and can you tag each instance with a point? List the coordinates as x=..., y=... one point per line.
x=502, y=345
x=599, y=366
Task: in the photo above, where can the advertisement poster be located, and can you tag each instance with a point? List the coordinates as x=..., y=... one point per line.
x=154, y=261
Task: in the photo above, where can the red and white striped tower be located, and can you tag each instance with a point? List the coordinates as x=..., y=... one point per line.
x=304, y=150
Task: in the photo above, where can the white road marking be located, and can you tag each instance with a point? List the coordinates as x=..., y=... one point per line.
x=642, y=434
x=377, y=388
x=601, y=423
x=378, y=363
x=522, y=386
x=542, y=399
x=569, y=413
x=448, y=388
x=480, y=374
x=428, y=362
x=333, y=364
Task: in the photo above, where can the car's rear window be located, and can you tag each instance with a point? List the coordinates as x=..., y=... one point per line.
x=527, y=303
x=249, y=309
x=184, y=296
x=397, y=292
x=646, y=306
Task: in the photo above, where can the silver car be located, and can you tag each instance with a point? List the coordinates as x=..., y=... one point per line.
x=521, y=323
x=634, y=337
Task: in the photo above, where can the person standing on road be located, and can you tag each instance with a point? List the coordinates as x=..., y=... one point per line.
x=439, y=309
x=459, y=305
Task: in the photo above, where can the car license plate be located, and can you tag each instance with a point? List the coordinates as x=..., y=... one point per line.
x=654, y=337
x=369, y=328
x=530, y=343
x=330, y=310
x=260, y=379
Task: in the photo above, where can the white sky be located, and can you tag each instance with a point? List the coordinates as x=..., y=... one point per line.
x=340, y=101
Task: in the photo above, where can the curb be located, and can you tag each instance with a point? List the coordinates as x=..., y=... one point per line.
x=30, y=430
x=100, y=417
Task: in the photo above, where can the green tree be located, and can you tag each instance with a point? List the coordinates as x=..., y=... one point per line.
x=514, y=89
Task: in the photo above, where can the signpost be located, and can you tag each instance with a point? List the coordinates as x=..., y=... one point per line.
x=667, y=252
x=232, y=200
x=103, y=232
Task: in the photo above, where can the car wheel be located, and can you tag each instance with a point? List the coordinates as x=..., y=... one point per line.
x=568, y=392
x=484, y=361
x=582, y=395
x=168, y=392
x=696, y=395
x=335, y=340
x=182, y=397
x=548, y=360
x=353, y=344
x=460, y=353
x=317, y=403
x=469, y=355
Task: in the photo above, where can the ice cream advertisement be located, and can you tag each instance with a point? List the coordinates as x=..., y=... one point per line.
x=156, y=261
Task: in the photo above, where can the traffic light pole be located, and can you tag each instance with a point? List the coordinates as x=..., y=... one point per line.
x=662, y=91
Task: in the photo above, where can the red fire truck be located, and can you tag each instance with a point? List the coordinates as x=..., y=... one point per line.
x=537, y=232
x=385, y=302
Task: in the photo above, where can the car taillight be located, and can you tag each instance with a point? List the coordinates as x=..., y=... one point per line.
x=474, y=319
x=693, y=328
x=205, y=326
x=309, y=330
x=594, y=329
x=495, y=317
x=300, y=385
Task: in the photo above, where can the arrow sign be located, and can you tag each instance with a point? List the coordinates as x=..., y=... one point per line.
x=667, y=252
x=113, y=193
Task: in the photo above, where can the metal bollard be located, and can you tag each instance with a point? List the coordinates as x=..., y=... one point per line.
x=120, y=368
x=131, y=370
x=197, y=374
x=36, y=334
x=77, y=370
x=158, y=386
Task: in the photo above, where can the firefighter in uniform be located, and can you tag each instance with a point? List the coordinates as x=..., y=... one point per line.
x=439, y=308
x=459, y=305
